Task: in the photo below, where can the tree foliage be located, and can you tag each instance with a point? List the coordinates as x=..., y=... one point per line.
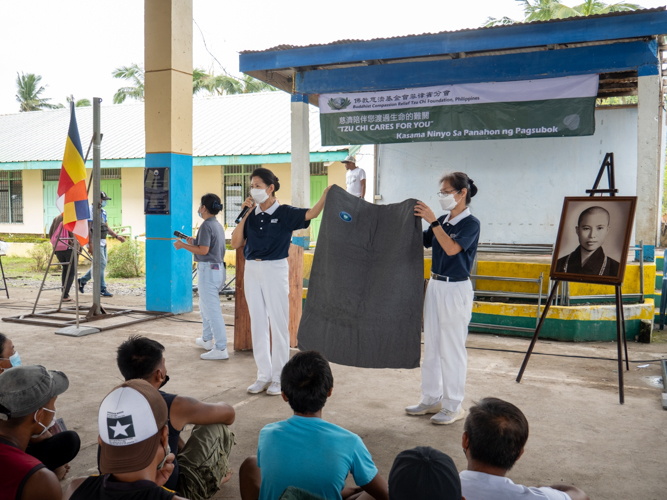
x=135, y=75
x=28, y=90
x=546, y=10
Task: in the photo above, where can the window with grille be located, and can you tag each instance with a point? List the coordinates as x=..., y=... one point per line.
x=319, y=168
x=11, y=197
x=51, y=174
x=237, y=189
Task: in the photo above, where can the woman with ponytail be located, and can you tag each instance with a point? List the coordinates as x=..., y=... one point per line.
x=448, y=300
x=209, y=251
x=266, y=233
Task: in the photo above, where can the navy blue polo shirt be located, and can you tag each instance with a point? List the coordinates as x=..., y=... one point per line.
x=464, y=229
x=268, y=234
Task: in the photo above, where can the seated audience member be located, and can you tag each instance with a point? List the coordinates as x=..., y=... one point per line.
x=495, y=435
x=305, y=451
x=27, y=409
x=202, y=464
x=135, y=459
x=424, y=473
x=54, y=451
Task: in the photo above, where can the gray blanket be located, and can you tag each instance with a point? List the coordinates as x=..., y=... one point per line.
x=366, y=290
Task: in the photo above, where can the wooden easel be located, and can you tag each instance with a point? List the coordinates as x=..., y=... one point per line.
x=608, y=165
x=242, y=332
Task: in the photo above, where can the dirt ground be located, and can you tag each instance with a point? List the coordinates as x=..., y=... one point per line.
x=579, y=434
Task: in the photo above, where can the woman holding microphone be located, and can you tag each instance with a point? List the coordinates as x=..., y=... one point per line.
x=266, y=231
x=209, y=251
x=448, y=301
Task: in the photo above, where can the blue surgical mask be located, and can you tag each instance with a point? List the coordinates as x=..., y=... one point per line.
x=104, y=203
x=15, y=359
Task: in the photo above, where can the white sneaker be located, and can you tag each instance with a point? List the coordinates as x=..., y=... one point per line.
x=215, y=354
x=206, y=344
x=446, y=417
x=422, y=409
x=258, y=387
x=274, y=390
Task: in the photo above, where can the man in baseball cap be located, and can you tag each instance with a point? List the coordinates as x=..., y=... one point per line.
x=105, y=231
x=27, y=410
x=135, y=459
x=424, y=472
x=355, y=178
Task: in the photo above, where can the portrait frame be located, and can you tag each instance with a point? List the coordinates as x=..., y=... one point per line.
x=623, y=207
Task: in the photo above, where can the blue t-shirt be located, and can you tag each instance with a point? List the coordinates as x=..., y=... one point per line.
x=312, y=454
x=465, y=231
x=269, y=234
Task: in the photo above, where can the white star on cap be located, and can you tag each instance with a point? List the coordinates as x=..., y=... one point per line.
x=119, y=429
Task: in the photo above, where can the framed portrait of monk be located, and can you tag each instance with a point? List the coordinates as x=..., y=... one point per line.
x=593, y=239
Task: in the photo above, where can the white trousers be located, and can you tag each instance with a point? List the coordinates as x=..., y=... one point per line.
x=266, y=286
x=447, y=313
x=209, y=283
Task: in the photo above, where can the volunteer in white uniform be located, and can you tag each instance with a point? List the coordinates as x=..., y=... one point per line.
x=448, y=301
x=266, y=231
x=355, y=178
x=208, y=249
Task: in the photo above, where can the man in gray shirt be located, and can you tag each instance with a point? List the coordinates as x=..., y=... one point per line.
x=209, y=251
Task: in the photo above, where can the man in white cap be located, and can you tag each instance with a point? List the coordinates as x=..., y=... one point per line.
x=355, y=178
x=135, y=459
x=27, y=410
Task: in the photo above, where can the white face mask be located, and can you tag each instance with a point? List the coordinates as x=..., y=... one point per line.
x=259, y=195
x=46, y=427
x=448, y=202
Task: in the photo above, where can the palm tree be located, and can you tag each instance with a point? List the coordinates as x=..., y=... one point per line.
x=199, y=77
x=546, y=10
x=79, y=104
x=226, y=85
x=135, y=74
x=28, y=89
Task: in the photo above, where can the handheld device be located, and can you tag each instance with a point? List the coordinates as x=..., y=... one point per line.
x=178, y=234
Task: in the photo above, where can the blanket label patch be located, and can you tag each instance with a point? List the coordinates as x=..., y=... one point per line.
x=345, y=216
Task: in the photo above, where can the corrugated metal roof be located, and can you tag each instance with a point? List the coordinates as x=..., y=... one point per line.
x=245, y=124
x=343, y=42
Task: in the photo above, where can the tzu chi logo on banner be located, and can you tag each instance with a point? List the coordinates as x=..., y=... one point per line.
x=551, y=107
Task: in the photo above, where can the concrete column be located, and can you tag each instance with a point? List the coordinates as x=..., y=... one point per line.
x=168, y=118
x=300, y=162
x=648, y=164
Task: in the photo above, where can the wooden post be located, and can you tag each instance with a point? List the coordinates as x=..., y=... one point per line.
x=242, y=333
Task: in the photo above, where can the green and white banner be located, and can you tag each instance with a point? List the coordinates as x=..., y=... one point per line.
x=554, y=107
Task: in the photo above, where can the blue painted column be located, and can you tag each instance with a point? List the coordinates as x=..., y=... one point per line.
x=168, y=119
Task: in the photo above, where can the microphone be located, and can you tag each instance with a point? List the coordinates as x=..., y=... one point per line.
x=242, y=214
x=178, y=234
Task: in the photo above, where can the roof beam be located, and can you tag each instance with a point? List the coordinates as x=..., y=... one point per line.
x=593, y=29
x=635, y=56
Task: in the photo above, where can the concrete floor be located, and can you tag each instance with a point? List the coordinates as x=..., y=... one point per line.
x=579, y=433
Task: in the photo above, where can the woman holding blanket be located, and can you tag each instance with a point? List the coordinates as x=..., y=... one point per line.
x=448, y=301
x=266, y=232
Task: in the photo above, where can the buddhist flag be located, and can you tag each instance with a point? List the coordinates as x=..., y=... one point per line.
x=72, y=194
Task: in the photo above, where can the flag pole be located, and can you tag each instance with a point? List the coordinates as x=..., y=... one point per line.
x=97, y=214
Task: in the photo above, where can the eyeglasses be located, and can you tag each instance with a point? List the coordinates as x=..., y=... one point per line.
x=442, y=194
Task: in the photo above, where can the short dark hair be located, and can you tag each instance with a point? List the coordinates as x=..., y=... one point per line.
x=591, y=210
x=306, y=380
x=212, y=203
x=459, y=181
x=138, y=357
x=497, y=432
x=267, y=177
x=3, y=339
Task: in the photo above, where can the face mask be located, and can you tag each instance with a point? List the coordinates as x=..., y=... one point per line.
x=104, y=203
x=199, y=214
x=166, y=454
x=448, y=202
x=15, y=359
x=46, y=427
x=164, y=382
x=259, y=195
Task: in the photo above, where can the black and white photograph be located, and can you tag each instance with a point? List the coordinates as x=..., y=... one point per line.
x=593, y=239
